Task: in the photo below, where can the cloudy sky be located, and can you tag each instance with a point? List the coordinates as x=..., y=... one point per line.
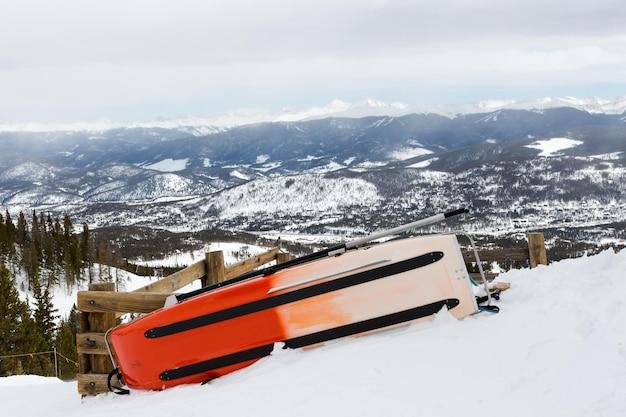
x=123, y=60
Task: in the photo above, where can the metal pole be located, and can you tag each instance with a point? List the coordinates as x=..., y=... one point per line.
x=56, y=363
x=404, y=228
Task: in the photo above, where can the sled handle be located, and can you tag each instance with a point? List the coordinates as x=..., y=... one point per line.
x=404, y=228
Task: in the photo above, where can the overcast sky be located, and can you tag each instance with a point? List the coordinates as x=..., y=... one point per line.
x=123, y=60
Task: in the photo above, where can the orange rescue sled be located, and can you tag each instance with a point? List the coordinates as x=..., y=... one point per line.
x=348, y=292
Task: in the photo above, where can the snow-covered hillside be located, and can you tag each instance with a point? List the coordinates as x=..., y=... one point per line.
x=557, y=348
x=297, y=194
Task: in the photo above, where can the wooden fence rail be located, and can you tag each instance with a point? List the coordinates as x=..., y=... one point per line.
x=100, y=307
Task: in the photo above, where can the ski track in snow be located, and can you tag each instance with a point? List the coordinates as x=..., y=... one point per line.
x=558, y=348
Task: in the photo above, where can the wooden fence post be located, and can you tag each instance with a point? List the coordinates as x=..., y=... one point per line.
x=97, y=364
x=537, y=249
x=282, y=257
x=214, y=268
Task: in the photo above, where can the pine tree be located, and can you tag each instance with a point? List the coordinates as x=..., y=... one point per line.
x=42, y=224
x=4, y=244
x=66, y=345
x=31, y=340
x=57, y=235
x=19, y=333
x=85, y=249
x=7, y=237
x=11, y=309
x=67, y=228
x=69, y=252
x=22, y=230
x=32, y=264
x=10, y=227
x=45, y=313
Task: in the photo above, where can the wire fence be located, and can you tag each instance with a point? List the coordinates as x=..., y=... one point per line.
x=56, y=355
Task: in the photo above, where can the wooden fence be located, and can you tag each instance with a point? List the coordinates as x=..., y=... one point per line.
x=100, y=307
x=535, y=254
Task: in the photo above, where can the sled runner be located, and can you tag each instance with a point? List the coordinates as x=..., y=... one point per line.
x=350, y=289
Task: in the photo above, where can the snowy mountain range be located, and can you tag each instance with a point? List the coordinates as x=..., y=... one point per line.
x=202, y=126
x=515, y=168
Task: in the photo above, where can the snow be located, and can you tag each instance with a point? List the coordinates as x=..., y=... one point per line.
x=261, y=159
x=423, y=164
x=268, y=167
x=27, y=171
x=612, y=156
x=491, y=117
x=169, y=165
x=27, y=380
x=239, y=175
x=233, y=252
x=329, y=167
x=556, y=348
x=550, y=147
x=309, y=158
x=157, y=186
x=407, y=153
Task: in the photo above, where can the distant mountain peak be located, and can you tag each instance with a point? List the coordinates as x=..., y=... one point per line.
x=588, y=104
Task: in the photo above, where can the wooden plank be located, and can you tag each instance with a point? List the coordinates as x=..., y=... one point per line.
x=215, y=271
x=91, y=343
x=92, y=384
x=489, y=275
x=283, y=257
x=249, y=264
x=100, y=323
x=84, y=364
x=537, y=249
x=124, y=302
x=177, y=280
x=102, y=286
x=490, y=255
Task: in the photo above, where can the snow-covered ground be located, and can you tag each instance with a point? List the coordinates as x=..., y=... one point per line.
x=169, y=165
x=551, y=147
x=557, y=348
x=233, y=252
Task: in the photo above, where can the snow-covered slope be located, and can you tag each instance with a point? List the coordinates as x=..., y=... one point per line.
x=558, y=348
x=552, y=146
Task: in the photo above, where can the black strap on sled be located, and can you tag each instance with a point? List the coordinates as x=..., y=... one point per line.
x=114, y=388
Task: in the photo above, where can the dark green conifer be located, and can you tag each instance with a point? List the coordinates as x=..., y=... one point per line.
x=45, y=313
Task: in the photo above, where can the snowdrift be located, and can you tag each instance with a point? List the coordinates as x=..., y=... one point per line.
x=557, y=348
